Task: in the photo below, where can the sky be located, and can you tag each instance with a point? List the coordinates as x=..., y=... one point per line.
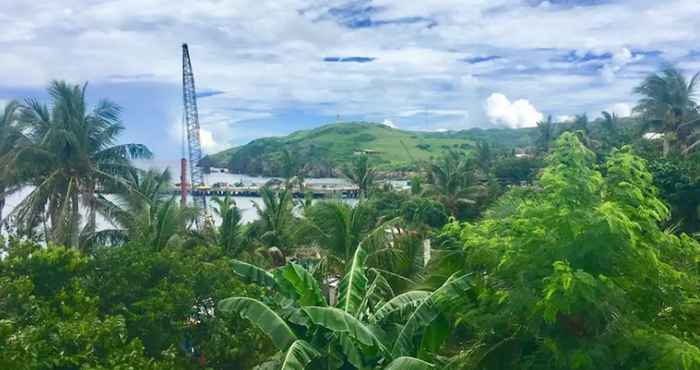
x=266, y=68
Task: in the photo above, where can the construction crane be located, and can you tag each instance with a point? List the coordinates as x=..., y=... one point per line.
x=194, y=146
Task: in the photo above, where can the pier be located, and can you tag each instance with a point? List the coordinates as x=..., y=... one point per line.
x=330, y=191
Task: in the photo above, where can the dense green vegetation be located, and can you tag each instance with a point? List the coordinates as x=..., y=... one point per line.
x=326, y=149
x=579, y=253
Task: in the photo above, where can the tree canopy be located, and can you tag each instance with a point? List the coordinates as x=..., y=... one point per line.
x=579, y=251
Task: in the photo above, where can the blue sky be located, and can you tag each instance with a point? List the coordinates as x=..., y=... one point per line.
x=268, y=67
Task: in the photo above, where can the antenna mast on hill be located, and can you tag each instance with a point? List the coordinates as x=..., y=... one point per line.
x=191, y=125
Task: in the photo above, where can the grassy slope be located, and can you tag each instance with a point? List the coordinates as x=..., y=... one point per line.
x=334, y=144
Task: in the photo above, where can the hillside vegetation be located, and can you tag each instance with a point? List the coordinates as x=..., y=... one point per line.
x=327, y=148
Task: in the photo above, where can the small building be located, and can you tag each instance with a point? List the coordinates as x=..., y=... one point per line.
x=274, y=182
x=367, y=152
x=522, y=153
x=219, y=185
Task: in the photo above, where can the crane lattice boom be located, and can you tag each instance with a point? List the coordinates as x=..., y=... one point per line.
x=191, y=122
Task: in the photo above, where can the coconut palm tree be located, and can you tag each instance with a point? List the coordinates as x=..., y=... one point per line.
x=228, y=234
x=610, y=121
x=143, y=212
x=10, y=135
x=144, y=189
x=581, y=123
x=300, y=179
x=288, y=166
x=483, y=155
x=546, y=134
x=453, y=182
x=292, y=170
x=162, y=224
x=612, y=129
x=361, y=174
x=276, y=218
x=336, y=229
x=668, y=106
x=581, y=127
x=71, y=156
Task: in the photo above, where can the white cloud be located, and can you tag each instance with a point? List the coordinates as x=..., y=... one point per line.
x=608, y=73
x=209, y=144
x=519, y=113
x=564, y=118
x=436, y=112
x=622, y=57
x=621, y=109
x=277, y=62
x=387, y=122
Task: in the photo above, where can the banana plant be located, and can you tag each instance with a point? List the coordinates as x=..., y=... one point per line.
x=370, y=327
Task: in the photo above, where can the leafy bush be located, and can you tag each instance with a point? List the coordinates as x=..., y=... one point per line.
x=579, y=275
x=513, y=170
x=49, y=320
x=124, y=307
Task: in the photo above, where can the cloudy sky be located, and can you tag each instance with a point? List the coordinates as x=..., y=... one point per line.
x=266, y=67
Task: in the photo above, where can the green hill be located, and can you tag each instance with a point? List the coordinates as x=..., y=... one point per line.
x=326, y=148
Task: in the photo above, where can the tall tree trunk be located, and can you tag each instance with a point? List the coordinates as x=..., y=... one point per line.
x=690, y=148
x=2, y=201
x=47, y=236
x=75, y=220
x=667, y=144
x=92, y=213
x=57, y=223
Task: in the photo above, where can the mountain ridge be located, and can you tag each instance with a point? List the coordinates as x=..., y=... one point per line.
x=325, y=149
